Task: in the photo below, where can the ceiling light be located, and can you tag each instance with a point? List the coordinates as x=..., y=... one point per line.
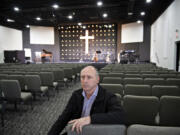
x=55, y=6
x=79, y=23
x=143, y=13
x=99, y=3
x=148, y=1
x=38, y=18
x=84, y=27
x=105, y=15
x=130, y=13
x=110, y=26
x=27, y=26
x=10, y=20
x=139, y=21
x=70, y=17
x=16, y=9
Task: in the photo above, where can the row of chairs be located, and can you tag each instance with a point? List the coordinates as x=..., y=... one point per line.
x=142, y=90
x=134, y=129
x=128, y=75
x=23, y=84
x=149, y=110
x=145, y=116
x=148, y=81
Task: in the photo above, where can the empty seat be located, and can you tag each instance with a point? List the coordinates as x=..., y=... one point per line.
x=161, y=90
x=113, y=88
x=167, y=75
x=133, y=81
x=115, y=75
x=47, y=79
x=169, y=111
x=3, y=76
x=132, y=75
x=12, y=92
x=59, y=76
x=152, y=130
x=150, y=76
x=33, y=83
x=20, y=78
x=140, y=109
x=101, y=76
x=112, y=80
x=100, y=130
x=154, y=81
x=138, y=90
x=173, y=81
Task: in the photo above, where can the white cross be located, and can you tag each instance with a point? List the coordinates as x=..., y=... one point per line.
x=87, y=37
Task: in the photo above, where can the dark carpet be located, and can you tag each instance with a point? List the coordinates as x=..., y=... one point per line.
x=38, y=121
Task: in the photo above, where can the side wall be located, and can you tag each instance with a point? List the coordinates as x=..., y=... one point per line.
x=164, y=34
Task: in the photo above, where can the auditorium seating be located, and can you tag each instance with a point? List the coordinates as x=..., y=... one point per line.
x=173, y=81
x=152, y=130
x=169, y=111
x=160, y=90
x=140, y=109
x=138, y=90
x=12, y=92
x=20, y=78
x=47, y=79
x=143, y=99
x=112, y=80
x=100, y=130
x=33, y=84
x=133, y=81
x=114, y=88
x=154, y=81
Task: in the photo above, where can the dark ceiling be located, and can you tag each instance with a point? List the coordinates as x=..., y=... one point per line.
x=85, y=11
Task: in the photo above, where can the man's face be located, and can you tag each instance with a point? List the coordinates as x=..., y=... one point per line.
x=89, y=80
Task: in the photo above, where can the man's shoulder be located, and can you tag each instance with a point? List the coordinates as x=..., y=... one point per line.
x=104, y=92
x=78, y=92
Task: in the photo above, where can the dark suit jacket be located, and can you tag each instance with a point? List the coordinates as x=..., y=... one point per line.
x=105, y=110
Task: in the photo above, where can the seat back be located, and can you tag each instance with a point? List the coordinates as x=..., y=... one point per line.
x=154, y=81
x=113, y=88
x=167, y=75
x=138, y=90
x=11, y=89
x=3, y=76
x=152, y=130
x=33, y=82
x=169, y=111
x=20, y=78
x=112, y=80
x=140, y=109
x=161, y=90
x=173, y=81
x=46, y=78
x=133, y=81
x=150, y=76
x=111, y=74
x=58, y=75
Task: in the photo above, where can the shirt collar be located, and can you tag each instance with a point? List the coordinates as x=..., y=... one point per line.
x=94, y=93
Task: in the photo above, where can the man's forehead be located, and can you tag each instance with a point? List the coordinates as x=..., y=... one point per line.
x=89, y=71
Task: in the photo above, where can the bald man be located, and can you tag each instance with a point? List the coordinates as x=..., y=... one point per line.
x=90, y=105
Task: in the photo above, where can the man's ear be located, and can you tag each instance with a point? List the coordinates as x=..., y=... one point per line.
x=98, y=78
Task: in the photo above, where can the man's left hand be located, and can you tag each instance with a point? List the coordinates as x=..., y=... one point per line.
x=79, y=123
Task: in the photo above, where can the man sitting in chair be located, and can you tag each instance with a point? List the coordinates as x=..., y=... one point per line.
x=90, y=105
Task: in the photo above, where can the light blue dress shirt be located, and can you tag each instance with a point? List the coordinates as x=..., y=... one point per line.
x=88, y=103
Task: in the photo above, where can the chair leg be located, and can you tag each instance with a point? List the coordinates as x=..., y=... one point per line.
x=15, y=105
x=47, y=93
x=2, y=119
x=31, y=103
